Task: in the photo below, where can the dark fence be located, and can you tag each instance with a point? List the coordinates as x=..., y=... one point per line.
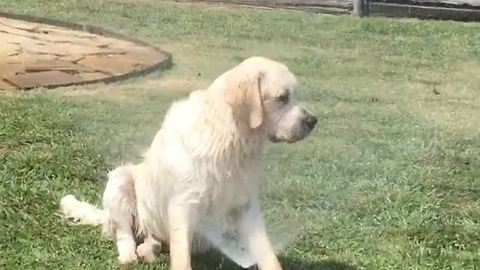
x=463, y=10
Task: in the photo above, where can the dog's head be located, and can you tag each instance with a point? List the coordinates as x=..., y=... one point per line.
x=263, y=93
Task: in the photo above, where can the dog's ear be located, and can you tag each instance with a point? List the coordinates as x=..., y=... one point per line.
x=245, y=97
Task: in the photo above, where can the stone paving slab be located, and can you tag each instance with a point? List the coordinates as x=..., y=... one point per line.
x=34, y=54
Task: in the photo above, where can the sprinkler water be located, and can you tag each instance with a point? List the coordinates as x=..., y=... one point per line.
x=230, y=246
x=225, y=238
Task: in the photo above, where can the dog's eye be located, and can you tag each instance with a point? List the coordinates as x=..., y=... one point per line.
x=283, y=98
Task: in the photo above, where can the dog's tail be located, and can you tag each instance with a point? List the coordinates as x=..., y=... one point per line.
x=82, y=213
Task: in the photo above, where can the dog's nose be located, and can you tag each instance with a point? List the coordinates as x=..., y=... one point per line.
x=311, y=121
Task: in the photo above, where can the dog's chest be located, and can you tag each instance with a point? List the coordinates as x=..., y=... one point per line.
x=230, y=189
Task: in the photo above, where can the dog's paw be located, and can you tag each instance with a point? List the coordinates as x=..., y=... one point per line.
x=127, y=258
x=146, y=252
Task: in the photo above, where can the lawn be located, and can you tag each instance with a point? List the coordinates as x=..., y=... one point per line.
x=389, y=180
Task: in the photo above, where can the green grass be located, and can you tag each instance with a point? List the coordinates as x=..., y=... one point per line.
x=390, y=180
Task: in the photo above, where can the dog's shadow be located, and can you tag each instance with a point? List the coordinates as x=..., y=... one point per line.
x=215, y=261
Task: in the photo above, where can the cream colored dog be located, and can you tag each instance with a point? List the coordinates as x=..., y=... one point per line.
x=204, y=164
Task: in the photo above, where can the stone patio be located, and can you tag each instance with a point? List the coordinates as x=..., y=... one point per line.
x=42, y=55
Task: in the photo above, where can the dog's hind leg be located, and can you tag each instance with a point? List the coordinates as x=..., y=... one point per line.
x=119, y=201
x=147, y=249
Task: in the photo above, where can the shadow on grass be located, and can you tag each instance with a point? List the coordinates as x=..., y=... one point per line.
x=215, y=261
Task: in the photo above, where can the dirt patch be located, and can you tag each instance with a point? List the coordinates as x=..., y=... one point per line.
x=5, y=149
x=449, y=98
x=133, y=93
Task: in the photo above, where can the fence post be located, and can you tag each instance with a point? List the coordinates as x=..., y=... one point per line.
x=361, y=7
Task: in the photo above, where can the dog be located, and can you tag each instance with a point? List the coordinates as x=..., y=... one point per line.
x=203, y=164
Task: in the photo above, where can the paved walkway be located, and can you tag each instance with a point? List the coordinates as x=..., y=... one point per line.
x=34, y=55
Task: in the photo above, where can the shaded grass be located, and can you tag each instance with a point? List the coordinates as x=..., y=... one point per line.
x=388, y=181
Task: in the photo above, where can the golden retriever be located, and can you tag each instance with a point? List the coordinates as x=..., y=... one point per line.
x=203, y=164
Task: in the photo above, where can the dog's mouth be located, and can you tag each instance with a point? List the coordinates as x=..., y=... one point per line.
x=293, y=139
x=303, y=132
x=274, y=139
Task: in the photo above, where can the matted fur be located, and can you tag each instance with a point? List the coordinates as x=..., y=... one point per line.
x=203, y=165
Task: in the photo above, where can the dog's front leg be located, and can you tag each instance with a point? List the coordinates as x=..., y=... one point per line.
x=253, y=233
x=181, y=221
